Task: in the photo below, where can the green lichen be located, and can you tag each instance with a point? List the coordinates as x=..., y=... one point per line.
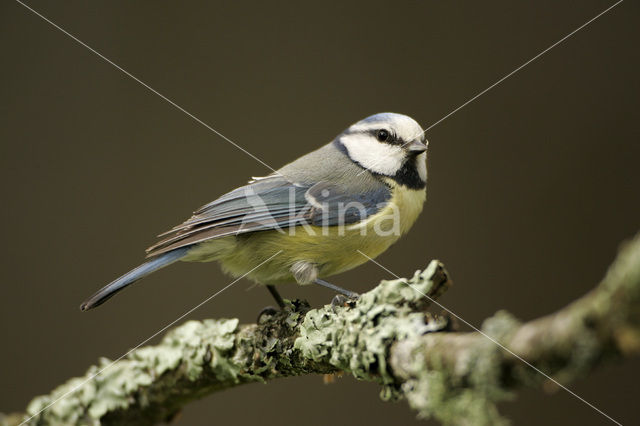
x=109, y=386
x=466, y=392
x=455, y=377
x=357, y=338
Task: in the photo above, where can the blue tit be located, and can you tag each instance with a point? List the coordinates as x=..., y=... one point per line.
x=311, y=219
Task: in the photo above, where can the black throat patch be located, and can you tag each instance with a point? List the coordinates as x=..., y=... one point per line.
x=408, y=175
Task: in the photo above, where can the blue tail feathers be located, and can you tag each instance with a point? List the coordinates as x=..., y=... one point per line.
x=132, y=276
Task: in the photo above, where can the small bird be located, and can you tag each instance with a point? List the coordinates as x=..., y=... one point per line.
x=311, y=219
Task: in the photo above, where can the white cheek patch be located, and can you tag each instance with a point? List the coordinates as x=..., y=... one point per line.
x=376, y=156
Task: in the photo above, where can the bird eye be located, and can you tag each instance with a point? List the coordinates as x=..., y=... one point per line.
x=382, y=135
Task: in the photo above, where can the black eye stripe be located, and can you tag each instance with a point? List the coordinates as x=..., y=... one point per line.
x=391, y=139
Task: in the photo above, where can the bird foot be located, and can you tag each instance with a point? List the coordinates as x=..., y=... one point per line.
x=340, y=300
x=266, y=313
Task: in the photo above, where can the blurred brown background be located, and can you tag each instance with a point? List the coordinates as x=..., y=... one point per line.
x=532, y=186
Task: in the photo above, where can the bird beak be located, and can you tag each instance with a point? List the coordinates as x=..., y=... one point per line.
x=416, y=147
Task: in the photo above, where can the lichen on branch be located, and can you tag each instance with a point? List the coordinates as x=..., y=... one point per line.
x=386, y=336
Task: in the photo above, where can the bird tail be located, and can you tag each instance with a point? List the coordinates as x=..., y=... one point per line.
x=132, y=276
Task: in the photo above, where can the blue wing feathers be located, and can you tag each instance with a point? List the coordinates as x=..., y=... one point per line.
x=273, y=203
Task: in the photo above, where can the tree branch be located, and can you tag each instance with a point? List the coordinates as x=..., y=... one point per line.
x=386, y=337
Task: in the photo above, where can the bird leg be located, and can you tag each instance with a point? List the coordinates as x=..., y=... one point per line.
x=270, y=310
x=348, y=293
x=276, y=296
x=307, y=273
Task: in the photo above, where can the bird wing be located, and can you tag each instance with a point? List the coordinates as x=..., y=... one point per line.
x=269, y=203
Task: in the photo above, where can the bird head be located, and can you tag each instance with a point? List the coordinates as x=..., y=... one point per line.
x=388, y=144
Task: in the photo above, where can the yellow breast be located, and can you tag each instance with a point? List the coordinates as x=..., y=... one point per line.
x=333, y=249
x=409, y=203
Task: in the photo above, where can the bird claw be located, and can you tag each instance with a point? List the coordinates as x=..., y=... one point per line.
x=266, y=312
x=340, y=300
